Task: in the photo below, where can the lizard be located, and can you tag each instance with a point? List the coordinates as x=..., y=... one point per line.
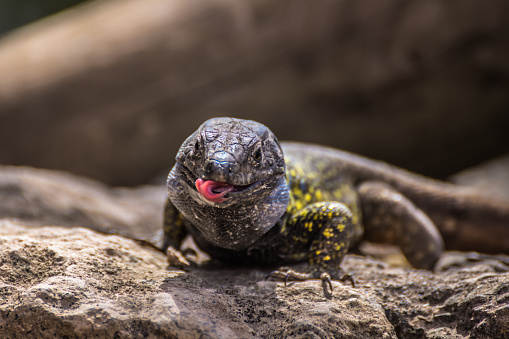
x=246, y=198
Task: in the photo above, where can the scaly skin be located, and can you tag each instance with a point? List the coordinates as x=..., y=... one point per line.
x=242, y=203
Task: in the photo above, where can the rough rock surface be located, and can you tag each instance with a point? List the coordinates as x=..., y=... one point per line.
x=59, y=282
x=72, y=282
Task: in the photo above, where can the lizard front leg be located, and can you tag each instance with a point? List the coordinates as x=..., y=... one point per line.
x=322, y=232
x=174, y=234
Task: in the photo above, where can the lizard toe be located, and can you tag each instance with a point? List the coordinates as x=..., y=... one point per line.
x=176, y=259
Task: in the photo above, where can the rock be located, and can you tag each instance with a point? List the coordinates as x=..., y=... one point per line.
x=40, y=197
x=492, y=177
x=60, y=282
x=73, y=282
x=111, y=89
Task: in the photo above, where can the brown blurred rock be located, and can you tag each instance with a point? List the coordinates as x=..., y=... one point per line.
x=111, y=89
x=491, y=177
x=41, y=198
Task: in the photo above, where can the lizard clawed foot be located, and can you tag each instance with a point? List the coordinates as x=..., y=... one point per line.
x=347, y=277
x=176, y=258
x=286, y=274
x=326, y=279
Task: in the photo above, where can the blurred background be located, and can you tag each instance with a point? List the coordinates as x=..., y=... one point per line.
x=109, y=89
x=15, y=13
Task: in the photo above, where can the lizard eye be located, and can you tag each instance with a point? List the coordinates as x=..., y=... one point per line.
x=197, y=148
x=258, y=154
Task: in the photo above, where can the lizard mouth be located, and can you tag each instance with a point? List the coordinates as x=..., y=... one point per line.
x=218, y=191
x=215, y=191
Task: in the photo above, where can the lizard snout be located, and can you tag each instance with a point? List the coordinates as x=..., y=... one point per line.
x=220, y=167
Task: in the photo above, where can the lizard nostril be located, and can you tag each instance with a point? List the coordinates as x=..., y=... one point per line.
x=208, y=167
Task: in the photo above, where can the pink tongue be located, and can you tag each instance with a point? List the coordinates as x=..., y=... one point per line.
x=213, y=190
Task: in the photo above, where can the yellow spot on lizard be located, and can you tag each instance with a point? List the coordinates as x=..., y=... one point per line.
x=341, y=227
x=328, y=233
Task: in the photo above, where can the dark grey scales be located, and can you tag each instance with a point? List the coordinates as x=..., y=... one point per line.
x=244, y=202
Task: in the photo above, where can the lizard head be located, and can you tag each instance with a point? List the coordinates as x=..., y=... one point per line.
x=229, y=181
